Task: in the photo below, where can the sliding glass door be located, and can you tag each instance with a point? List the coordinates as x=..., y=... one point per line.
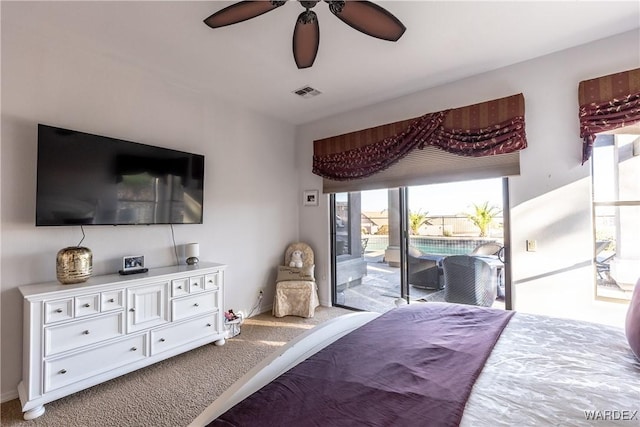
x=451, y=219
x=366, y=249
x=389, y=245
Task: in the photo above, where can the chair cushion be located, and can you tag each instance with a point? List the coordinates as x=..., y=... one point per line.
x=415, y=252
x=295, y=298
x=292, y=273
x=632, y=325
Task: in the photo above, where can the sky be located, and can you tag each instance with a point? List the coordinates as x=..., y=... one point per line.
x=442, y=199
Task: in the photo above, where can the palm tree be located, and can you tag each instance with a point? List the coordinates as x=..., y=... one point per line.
x=483, y=216
x=416, y=220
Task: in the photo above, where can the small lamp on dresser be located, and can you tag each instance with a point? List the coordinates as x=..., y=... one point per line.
x=192, y=252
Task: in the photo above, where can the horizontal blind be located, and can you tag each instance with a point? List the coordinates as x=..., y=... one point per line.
x=431, y=166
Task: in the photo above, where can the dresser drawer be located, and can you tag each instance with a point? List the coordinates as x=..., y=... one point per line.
x=194, y=305
x=112, y=300
x=180, y=287
x=82, y=332
x=212, y=281
x=176, y=335
x=70, y=369
x=196, y=284
x=87, y=305
x=55, y=311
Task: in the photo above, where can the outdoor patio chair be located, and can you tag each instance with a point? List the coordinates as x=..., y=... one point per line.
x=296, y=289
x=489, y=248
x=493, y=251
x=469, y=280
x=602, y=260
x=425, y=270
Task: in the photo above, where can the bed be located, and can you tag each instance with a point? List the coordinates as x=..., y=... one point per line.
x=436, y=364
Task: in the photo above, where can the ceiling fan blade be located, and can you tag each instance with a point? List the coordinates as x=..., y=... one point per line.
x=368, y=18
x=306, y=39
x=241, y=11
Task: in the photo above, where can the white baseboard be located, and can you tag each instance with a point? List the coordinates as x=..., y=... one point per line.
x=265, y=309
x=8, y=395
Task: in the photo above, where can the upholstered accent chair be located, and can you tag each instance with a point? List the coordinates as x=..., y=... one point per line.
x=296, y=289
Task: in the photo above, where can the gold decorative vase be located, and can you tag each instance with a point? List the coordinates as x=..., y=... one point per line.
x=74, y=265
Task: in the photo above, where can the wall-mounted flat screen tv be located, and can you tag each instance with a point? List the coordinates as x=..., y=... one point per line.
x=85, y=179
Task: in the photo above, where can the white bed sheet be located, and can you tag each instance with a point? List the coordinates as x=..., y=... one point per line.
x=549, y=371
x=543, y=371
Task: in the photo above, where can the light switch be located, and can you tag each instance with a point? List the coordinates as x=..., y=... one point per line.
x=532, y=245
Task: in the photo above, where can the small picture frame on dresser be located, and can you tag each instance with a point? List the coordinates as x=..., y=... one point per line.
x=132, y=264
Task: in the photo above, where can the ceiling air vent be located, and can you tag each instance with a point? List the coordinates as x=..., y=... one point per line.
x=307, y=92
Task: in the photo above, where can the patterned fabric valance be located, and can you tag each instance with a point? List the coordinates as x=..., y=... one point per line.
x=485, y=129
x=607, y=103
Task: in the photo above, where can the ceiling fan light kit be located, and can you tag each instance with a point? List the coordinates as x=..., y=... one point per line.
x=364, y=16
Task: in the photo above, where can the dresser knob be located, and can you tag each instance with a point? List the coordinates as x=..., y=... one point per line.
x=134, y=348
x=64, y=371
x=208, y=325
x=162, y=339
x=111, y=300
x=59, y=310
x=132, y=310
x=179, y=287
x=196, y=305
x=86, y=332
x=87, y=305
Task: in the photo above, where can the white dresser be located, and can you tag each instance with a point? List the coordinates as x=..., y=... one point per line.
x=77, y=336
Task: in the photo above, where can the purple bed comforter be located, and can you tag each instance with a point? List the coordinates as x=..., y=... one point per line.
x=412, y=366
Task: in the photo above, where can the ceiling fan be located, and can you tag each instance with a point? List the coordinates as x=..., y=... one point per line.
x=364, y=16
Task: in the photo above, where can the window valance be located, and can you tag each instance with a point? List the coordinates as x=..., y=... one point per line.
x=484, y=129
x=607, y=103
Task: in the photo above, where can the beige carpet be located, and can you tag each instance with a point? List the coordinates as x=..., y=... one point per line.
x=173, y=392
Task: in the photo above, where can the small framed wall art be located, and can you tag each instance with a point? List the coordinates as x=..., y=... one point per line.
x=310, y=198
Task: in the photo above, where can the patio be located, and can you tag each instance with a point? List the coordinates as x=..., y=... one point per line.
x=380, y=290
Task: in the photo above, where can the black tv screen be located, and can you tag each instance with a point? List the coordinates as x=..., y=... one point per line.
x=85, y=179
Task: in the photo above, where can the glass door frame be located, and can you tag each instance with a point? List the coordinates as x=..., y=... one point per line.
x=509, y=289
x=404, y=243
x=333, y=273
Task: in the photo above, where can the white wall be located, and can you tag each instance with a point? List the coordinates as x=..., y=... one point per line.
x=251, y=205
x=550, y=200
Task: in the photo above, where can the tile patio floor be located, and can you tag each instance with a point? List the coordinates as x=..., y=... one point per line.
x=380, y=290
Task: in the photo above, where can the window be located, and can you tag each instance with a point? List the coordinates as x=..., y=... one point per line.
x=616, y=209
